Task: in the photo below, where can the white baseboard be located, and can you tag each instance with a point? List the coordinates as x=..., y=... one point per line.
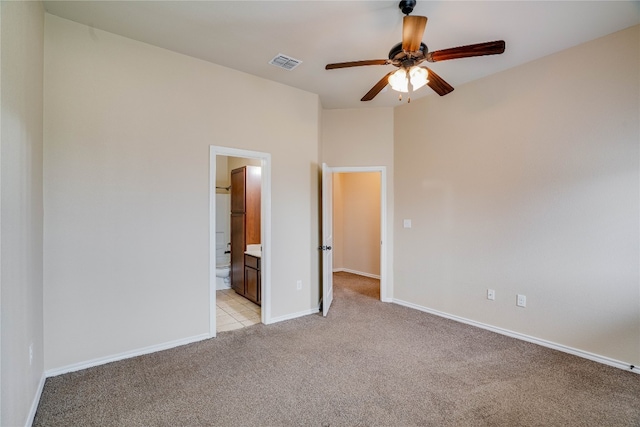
x=159, y=347
x=36, y=401
x=293, y=315
x=576, y=352
x=125, y=355
x=359, y=273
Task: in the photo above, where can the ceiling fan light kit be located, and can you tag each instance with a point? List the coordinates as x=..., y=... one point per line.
x=411, y=52
x=419, y=77
x=398, y=81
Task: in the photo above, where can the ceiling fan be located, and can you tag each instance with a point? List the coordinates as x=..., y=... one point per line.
x=408, y=54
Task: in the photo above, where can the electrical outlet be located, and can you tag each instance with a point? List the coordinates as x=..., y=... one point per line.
x=491, y=294
x=521, y=300
x=299, y=284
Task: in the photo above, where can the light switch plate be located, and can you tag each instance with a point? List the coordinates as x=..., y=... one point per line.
x=406, y=223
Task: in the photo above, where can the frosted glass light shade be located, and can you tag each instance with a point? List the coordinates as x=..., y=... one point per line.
x=398, y=80
x=419, y=77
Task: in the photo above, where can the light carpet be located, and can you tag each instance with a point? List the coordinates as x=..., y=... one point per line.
x=367, y=364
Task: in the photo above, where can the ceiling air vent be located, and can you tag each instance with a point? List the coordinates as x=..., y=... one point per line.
x=284, y=61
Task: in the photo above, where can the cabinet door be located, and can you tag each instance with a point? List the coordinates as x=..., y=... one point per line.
x=237, y=253
x=238, y=182
x=252, y=190
x=251, y=277
x=259, y=300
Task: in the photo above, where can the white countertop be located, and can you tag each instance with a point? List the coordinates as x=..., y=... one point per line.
x=254, y=250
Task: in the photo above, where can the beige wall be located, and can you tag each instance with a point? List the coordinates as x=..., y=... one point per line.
x=363, y=137
x=222, y=174
x=127, y=133
x=21, y=69
x=238, y=162
x=356, y=222
x=338, y=223
x=358, y=137
x=527, y=182
x=224, y=166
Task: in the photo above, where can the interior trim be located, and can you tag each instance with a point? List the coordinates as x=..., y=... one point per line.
x=125, y=355
x=549, y=344
x=36, y=402
x=359, y=273
x=293, y=315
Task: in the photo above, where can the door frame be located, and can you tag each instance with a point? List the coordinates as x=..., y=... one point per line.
x=327, y=238
x=385, y=291
x=265, y=229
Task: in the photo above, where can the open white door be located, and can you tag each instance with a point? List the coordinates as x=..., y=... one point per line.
x=327, y=238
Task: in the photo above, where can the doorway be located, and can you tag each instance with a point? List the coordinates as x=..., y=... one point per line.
x=263, y=160
x=367, y=255
x=356, y=223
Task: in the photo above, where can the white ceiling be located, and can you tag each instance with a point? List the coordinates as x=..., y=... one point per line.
x=246, y=35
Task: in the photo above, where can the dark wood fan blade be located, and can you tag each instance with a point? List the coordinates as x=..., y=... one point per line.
x=412, y=32
x=357, y=63
x=437, y=84
x=480, y=49
x=377, y=88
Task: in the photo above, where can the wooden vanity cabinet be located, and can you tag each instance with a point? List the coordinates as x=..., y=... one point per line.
x=252, y=278
x=245, y=222
x=237, y=255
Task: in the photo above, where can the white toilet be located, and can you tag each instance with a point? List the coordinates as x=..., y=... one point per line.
x=223, y=265
x=223, y=269
x=223, y=235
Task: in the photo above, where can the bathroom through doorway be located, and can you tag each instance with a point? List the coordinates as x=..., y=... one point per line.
x=239, y=238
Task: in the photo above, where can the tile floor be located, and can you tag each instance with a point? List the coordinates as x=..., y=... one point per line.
x=234, y=311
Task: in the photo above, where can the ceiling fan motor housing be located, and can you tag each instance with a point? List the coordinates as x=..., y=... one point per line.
x=399, y=57
x=406, y=6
